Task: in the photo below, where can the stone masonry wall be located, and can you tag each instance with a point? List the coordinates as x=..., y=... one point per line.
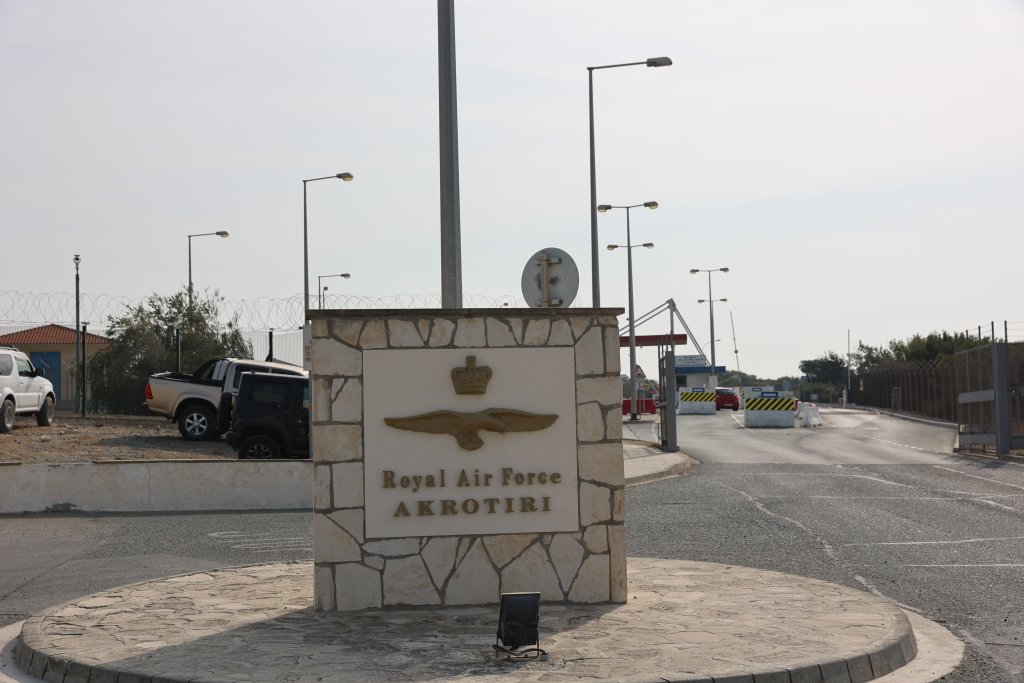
x=352, y=573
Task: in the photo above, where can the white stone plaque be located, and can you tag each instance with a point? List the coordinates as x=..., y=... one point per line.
x=432, y=476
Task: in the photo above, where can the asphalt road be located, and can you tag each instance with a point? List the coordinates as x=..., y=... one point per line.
x=866, y=501
x=48, y=559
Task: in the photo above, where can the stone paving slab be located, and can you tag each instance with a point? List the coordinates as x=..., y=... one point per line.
x=685, y=621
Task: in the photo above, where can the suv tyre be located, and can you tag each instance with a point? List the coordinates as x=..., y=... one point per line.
x=44, y=418
x=197, y=423
x=259, y=447
x=7, y=416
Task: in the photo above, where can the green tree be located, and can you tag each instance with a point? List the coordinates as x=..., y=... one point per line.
x=736, y=378
x=917, y=348
x=827, y=369
x=144, y=343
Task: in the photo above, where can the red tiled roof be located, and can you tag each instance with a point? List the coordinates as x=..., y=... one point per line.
x=48, y=335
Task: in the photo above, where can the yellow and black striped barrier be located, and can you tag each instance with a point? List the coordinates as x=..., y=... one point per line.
x=697, y=396
x=771, y=404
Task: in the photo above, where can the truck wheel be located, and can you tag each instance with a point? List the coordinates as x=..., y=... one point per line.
x=44, y=418
x=7, y=416
x=197, y=423
x=259, y=447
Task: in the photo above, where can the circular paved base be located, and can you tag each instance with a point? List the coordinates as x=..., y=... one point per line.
x=685, y=621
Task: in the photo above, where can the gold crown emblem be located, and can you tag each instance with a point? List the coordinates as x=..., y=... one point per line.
x=471, y=379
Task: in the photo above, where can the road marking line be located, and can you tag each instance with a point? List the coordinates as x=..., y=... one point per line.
x=879, y=594
x=964, y=540
x=915, y=498
x=829, y=551
x=855, y=476
x=975, y=476
x=995, y=504
x=1004, y=564
x=973, y=494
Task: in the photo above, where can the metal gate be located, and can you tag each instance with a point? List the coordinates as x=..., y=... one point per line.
x=988, y=399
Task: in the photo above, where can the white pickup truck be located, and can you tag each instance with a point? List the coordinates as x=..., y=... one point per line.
x=193, y=400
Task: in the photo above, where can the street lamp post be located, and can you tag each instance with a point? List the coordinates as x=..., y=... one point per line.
x=629, y=246
x=79, y=365
x=594, y=265
x=322, y=289
x=305, y=239
x=711, y=309
x=219, y=233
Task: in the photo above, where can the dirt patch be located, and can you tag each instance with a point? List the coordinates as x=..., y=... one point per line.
x=78, y=439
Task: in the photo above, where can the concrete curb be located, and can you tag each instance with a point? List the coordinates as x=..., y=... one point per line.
x=41, y=657
x=644, y=461
x=156, y=485
x=939, y=653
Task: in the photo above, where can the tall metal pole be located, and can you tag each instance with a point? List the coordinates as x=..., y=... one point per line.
x=734, y=349
x=190, y=271
x=305, y=256
x=451, y=237
x=595, y=275
x=711, y=308
x=846, y=389
x=85, y=365
x=632, y=326
x=78, y=328
x=671, y=392
x=595, y=272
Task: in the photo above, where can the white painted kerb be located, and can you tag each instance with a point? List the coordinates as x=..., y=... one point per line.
x=150, y=486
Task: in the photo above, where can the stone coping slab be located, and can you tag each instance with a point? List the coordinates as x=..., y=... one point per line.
x=685, y=621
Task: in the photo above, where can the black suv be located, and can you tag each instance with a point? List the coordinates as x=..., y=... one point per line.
x=270, y=417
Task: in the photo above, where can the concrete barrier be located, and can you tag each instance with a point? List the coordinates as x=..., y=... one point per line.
x=156, y=485
x=696, y=403
x=808, y=415
x=769, y=412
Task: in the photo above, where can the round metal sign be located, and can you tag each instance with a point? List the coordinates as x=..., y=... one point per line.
x=550, y=279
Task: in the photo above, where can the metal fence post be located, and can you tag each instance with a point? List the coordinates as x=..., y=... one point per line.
x=85, y=367
x=1001, y=385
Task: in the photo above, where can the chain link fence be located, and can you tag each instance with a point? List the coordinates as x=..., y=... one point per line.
x=926, y=388
x=271, y=327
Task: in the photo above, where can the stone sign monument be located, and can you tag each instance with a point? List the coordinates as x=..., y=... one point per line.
x=460, y=454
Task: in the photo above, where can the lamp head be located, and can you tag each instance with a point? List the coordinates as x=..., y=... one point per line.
x=612, y=247
x=723, y=300
x=694, y=271
x=659, y=61
x=701, y=301
x=222, y=233
x=649, y=245
x=651, y=205
x=724, y=270
x=344, y=176
x=77, y=259
x=345, y=275
x=604, y=207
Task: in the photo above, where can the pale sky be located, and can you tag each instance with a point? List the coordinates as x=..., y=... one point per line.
x=856, y=165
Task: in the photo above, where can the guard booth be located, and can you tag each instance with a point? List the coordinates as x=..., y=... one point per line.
x=666, y=405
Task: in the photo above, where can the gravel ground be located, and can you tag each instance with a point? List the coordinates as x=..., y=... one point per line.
x=104, y=437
